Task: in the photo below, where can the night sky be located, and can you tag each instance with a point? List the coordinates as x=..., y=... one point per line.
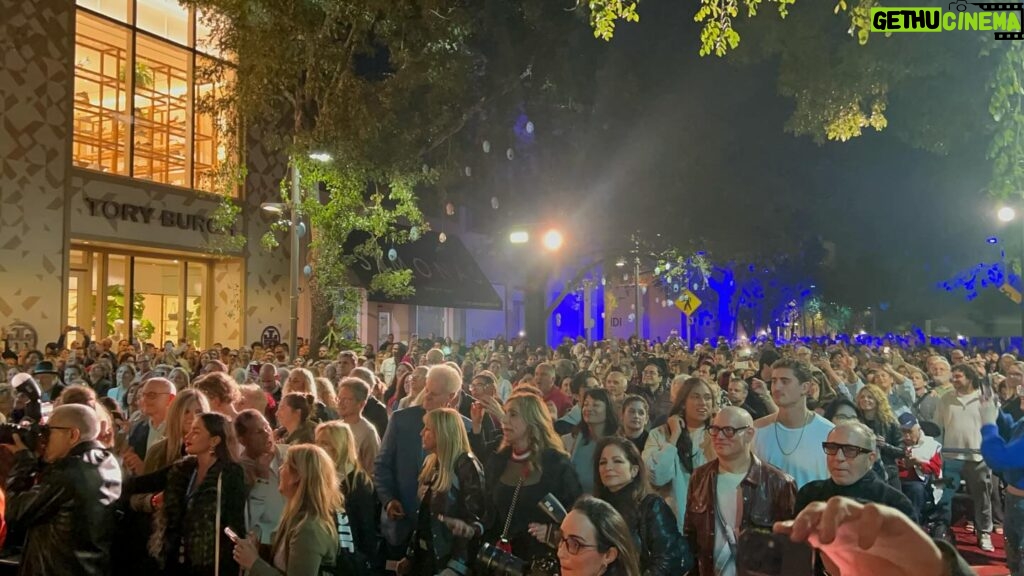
x=695, y=146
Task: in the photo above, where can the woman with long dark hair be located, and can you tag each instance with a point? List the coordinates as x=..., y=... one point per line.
x=622, y=481
x=205, y=493
x=599, y=421
x=680, y=445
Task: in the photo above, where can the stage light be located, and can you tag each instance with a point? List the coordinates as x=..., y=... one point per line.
x=553, y=240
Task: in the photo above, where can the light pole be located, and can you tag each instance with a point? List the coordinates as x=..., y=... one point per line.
x=636, y=287
x=295, y=234
x=1007, y=214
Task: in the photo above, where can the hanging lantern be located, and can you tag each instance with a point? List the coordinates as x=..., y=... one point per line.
x=449, y=209
x=494, y=202
x=632, y=317
x=392, y=254
x=558, y=319
x=307, y=270
x=510, y=154
x=468, y=171
x=442, y=237
x=487, y=147
x=529, y=127
x=414, y=233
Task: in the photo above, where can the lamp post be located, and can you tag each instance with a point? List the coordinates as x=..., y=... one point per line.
x=638, y=315
x=295, y=234
x=1007, y=214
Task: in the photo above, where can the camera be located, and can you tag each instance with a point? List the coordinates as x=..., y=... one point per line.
x=30, y=433
x=495, y=561
x=763, y=553
x=492, y=560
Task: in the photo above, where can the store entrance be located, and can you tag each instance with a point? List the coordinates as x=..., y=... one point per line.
x=169, y=295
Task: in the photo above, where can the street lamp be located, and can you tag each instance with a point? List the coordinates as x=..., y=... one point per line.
x=273, y=207
x=519, y=237
x=1008, y=214
x=552, y=240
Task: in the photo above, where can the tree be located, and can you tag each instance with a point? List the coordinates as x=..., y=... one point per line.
x=393, y=90
x=843, y=79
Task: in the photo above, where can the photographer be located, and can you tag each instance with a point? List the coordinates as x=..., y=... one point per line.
x=67, y=513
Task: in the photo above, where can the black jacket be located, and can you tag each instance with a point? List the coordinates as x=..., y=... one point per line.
x=870, y=488
x=377, y=414
x=68, y=516
x=661, y=546
x=463, y=501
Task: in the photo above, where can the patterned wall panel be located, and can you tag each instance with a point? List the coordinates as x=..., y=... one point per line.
x=36, y=42
x=266, y=273
x=227, y=302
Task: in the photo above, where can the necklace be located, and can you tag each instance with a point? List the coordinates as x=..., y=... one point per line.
x=798, y=441
x=521, y=456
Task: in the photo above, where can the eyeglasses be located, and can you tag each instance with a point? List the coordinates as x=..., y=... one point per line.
x=573, y=545
x=849, y=450
x=728, y=431
x=47, y=429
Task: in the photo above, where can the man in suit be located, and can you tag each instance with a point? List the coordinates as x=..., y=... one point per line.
x=154, y=402
x=401, y=457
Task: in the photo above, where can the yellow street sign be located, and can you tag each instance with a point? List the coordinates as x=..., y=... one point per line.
x=688, y=302
x=1010, y=292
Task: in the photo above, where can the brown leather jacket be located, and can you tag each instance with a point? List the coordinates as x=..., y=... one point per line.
x=769, y=495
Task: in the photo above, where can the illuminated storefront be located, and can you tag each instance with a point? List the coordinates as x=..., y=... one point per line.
x=109, y=176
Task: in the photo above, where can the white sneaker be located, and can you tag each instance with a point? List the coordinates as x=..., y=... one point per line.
x=985, y=542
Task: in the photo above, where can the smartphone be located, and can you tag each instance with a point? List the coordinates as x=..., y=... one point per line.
x=760, y=552
x=231, y=533
x=986, y=387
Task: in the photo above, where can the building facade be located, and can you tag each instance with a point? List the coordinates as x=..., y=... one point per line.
x=108, y=181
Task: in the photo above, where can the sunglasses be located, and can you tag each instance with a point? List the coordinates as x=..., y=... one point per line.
x=849, y=450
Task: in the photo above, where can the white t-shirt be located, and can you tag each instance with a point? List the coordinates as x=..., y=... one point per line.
x=727, y=495
x=797, y=451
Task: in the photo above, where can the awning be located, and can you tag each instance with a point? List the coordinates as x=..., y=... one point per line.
x=443, y=274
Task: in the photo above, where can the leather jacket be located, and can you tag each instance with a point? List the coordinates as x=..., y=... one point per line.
x=463, y=501
x=68, y=516
x=769, y=496
x=661, y=548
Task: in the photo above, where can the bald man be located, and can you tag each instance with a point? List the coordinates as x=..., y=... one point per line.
x=851, y=451
x=737, y=475
x=68, y=515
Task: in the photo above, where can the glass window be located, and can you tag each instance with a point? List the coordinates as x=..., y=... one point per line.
x=157, y=304
x=117, y=290
x=165, y=18
x=213, y=133
x=101, y=125
x=198, y=308
x=162, y=94
x=206, y=36
x=116, y=9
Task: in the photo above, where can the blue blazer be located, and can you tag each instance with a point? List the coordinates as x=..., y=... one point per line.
x=397, y=470
x=138, y=438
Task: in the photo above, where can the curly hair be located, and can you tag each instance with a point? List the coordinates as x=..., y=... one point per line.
x=884, y=410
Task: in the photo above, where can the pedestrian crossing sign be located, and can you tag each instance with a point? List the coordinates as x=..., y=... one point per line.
x=688, y=302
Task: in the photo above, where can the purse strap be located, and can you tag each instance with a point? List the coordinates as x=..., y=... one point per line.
x=216, y=535
x=512, y=507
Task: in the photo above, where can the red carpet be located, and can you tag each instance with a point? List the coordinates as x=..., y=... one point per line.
x=984, y=563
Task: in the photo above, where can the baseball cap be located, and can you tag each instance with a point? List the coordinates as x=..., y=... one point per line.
x=907, y=421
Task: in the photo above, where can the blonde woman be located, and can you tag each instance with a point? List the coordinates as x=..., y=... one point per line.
x=681, y=445
x=451, y=494
x=302, y=381
x=325, y=391
x=180, y=415
x=337, y=440
x=306, y=540
x=532, y=462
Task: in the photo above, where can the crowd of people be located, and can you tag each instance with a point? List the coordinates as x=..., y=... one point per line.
x=434, y=457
